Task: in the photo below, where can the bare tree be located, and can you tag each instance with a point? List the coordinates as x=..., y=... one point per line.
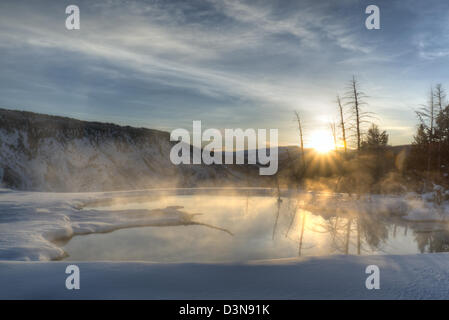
x=301, y=139
x=440, y=97
x=355, y=100
x=333, y=128
x=342, y=122
x=343, y=134
x=426, y=116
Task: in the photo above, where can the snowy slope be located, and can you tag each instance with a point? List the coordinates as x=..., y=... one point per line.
x=48, y=153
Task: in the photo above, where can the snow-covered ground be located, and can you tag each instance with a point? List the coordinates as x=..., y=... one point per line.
x=30, y=222
x=423, y=276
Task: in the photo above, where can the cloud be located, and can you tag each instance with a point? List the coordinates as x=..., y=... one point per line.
x=178, y=53
x=235, y=60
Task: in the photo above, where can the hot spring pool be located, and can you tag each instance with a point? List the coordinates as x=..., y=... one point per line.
x=248, y=227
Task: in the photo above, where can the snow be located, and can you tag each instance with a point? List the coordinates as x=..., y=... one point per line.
x=424, y=276
x=46, y=153
x=31, y=221
x=424, y=208
x=82, y=163
x=410, y=206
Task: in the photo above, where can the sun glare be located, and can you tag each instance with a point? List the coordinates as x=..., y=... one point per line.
x=322, y=141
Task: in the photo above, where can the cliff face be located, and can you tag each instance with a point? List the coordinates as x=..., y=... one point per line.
x=49, y=153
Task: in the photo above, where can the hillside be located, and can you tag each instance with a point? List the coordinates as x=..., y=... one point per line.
x=50, y=153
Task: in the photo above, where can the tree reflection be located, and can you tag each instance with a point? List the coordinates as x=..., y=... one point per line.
x=356, y=230
x=349, y=229
x=432, y=241
x=301, y=236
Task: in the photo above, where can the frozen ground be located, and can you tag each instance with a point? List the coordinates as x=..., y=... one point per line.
x=30, y=222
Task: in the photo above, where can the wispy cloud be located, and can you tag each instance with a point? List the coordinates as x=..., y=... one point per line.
x=262, y=58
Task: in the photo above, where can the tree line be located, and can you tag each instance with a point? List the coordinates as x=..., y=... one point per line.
x=430, y=149
x=364, y=161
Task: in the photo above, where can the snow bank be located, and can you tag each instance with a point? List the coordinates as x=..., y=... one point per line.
x=424, y=276
x=30, y=223
x=426, y=207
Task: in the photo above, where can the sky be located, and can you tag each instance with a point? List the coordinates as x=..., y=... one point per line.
x=230, y=64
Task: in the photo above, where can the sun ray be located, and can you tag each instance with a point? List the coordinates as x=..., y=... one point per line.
x=321, y=141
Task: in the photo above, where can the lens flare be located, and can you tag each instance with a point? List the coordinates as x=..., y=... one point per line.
x=321, y=141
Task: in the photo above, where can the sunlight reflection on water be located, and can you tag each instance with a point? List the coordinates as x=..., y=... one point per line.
x=262, y=228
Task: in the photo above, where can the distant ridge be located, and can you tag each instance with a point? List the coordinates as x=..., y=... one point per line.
x=54, y=153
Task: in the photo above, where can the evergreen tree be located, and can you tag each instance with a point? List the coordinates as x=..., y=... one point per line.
x=375, y=139
x=422, y=136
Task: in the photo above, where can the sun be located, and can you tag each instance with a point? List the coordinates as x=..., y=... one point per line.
x=321, y=141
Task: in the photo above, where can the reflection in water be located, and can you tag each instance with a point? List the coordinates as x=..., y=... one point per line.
x=301, y=237
x=433, y=241
x=262, y=228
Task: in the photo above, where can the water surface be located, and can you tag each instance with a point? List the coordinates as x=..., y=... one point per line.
x=248, y=227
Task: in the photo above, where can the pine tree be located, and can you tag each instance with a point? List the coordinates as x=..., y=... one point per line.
x=420, y=145
x=375, y=139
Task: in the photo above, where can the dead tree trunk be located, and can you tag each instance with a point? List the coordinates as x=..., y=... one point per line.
x=431, y=135
x=355, y=100
x=440, y=97
x=342, y=122
x=357, y=111
x=334, y=133
x=298, y=119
